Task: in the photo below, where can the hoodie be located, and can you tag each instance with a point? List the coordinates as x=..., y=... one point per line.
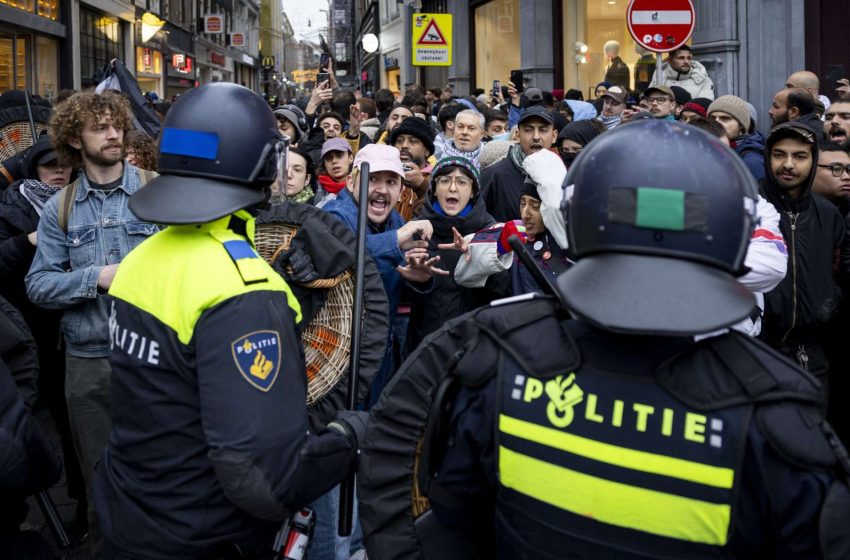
x=750, y=148
x=814, y=232
x=695, y=81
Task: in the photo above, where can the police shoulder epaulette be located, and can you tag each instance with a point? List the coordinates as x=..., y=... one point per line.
x=249, y=264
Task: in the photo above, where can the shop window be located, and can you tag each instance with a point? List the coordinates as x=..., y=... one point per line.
x=43, y=8
x=47, y=66
x=101, y=40
x=7, y=58
x=588, y=26
x=497, y=41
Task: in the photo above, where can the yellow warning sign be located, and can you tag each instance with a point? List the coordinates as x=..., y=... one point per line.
x=432, y=39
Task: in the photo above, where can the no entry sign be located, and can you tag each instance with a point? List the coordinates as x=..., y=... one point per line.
x=661, y=25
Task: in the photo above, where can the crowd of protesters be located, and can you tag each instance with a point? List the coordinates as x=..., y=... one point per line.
x=452, y=178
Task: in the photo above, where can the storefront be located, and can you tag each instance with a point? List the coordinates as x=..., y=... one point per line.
x=588, y=26
x=180, y=74
x=213, y=64
x=30, y=33
x=579, y=30
x=150, y=55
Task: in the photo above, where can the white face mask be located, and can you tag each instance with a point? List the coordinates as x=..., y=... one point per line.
x=502, y=136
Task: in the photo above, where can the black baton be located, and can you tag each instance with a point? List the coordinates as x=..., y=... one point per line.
x=52, y=516
x=346, y=488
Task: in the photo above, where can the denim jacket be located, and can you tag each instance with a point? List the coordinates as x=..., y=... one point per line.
x=64, y=272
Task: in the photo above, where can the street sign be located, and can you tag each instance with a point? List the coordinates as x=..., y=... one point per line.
x=661, y=25
x=267, y=62
x=432, y=39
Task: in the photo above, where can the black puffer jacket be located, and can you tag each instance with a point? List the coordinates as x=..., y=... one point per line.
x=17, y=219
x=447, y=300
x=814, y=232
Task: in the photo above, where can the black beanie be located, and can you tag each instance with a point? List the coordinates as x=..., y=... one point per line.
x=579, y=131
x=415, y=127
x=529, y=187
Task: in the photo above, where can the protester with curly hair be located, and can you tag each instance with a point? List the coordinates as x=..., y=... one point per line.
x=140, y=150
x=83, y=234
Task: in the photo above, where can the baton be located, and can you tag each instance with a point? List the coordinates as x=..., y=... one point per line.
x=52, y=516
x=541, y=279
x=346, y=488
x=29, y=114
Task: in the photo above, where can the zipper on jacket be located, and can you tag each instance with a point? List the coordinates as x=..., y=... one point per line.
x=793, y=218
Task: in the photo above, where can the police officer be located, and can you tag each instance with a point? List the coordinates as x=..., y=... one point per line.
x=616, y=434
x=210, y=447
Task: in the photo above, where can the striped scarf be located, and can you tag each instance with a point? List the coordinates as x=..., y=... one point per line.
x=610, y=122
x=474, y=156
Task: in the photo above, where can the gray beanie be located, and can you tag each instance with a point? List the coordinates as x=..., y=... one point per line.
x=734, y=106
x=492, y=152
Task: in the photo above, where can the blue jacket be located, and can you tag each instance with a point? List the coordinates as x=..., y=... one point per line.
x=382, y=246
x=64, y=271
x=751, y=150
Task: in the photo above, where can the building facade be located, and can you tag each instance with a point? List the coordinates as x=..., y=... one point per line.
x=748, y=46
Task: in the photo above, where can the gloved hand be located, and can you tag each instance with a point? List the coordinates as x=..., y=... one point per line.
x=513, y=227
x=352, y=423
x=301, y=263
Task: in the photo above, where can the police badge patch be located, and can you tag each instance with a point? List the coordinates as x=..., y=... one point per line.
x=257, y=355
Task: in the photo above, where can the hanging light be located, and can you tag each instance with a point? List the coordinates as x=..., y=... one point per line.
x=580, y=47
x=150, y=25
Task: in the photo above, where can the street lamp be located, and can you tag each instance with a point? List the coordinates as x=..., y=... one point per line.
x=370, y=42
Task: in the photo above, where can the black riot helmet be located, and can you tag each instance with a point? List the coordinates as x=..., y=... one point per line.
x=219, y=151
x=659, y=223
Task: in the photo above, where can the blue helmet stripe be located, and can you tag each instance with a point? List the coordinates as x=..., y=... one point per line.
x=191, y=143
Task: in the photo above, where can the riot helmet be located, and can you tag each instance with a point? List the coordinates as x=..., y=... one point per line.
x=219, y=151
x=658, y=239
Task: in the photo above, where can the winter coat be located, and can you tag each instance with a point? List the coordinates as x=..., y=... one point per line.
x=500, y=188
x=28, y=463
x=813, y=121
x=448, y=300
x=751, y=149
x=369, y=127
x=814, y=232
x=696, y=81
x=17, y=219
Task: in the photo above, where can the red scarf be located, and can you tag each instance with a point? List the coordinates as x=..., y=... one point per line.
x=330, y=185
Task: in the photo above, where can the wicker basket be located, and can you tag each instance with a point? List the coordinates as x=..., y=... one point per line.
x=16, y=137
x=327, y=339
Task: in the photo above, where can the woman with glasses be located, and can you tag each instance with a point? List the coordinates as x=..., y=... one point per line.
x=453, y=207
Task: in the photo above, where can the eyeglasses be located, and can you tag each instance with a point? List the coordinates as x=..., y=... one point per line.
x=461, y=182
x=837, y=169
x=658, y=100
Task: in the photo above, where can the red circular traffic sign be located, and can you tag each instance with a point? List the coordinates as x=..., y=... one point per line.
x=661, y=25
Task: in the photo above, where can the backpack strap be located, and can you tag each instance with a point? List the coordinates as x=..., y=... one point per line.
x=146, y=175
x=66, y=202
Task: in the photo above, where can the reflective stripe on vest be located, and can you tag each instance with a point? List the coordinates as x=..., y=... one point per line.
x=620, y=451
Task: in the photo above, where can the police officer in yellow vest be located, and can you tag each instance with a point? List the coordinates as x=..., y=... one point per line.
x=210, y=447
x=616, y=434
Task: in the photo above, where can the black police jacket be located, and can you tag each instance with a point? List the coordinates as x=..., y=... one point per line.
x=595, y=445
x=210, y=445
